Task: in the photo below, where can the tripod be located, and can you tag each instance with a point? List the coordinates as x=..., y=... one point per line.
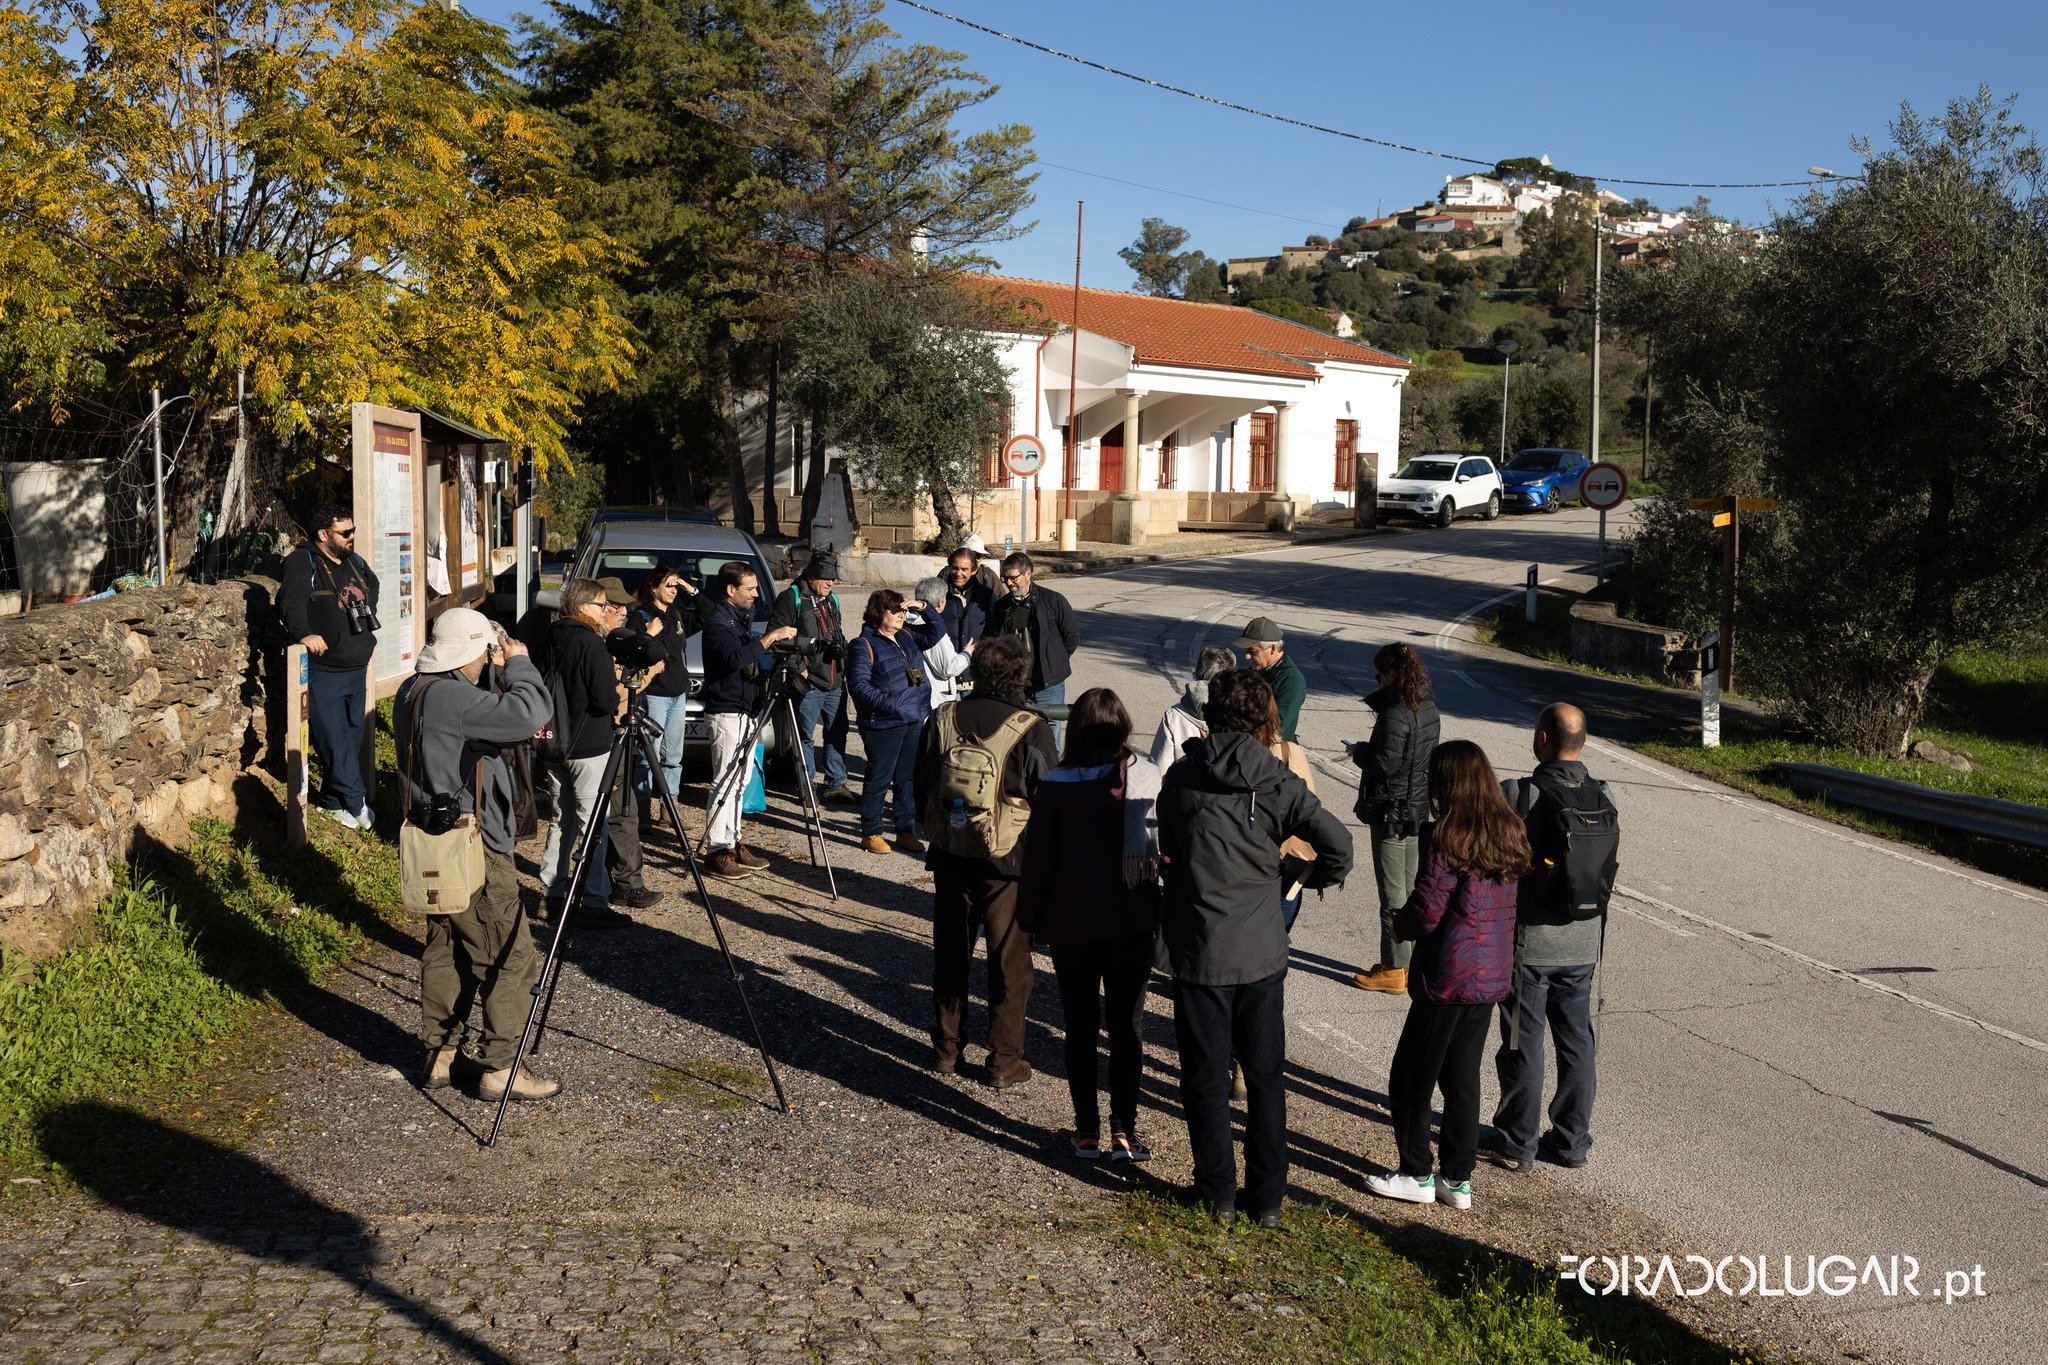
x=636, y=727
x=781, y=703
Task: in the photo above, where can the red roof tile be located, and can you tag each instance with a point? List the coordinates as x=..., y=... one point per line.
x=1203, y=336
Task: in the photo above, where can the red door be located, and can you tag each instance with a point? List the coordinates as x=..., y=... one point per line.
x=1263, y=427
x=1109, y=471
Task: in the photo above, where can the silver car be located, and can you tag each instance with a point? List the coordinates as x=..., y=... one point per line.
x=628, y=547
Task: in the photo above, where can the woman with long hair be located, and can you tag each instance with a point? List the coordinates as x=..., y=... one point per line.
x=1461, y=920
x=1090, y=893
x=1393, y=797
x=668, y=611
x=891, y=698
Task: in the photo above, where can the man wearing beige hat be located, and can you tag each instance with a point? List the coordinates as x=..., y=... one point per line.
x=451, y=733
x=1265, y=650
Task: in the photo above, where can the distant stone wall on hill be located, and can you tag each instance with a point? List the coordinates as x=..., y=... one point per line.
x=119, y=720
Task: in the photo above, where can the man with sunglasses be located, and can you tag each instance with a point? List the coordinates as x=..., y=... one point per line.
x=328, y=598
x=1044, y=621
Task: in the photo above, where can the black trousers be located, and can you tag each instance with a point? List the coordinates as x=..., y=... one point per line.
x=1211, y=1023
x=1112, y=970
x=1440, y=1048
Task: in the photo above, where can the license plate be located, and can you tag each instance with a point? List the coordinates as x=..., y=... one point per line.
x=696, y=729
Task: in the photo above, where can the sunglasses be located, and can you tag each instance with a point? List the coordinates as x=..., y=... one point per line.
x=349, y=534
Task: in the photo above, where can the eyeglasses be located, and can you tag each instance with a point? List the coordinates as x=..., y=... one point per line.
x=896, y=611
x=349, y=534
x=1013, y=578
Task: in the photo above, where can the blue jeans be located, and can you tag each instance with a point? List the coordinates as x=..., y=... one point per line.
x=831, y=708
x=667, y=712
x=334, y=704
x=1056, y=695
x=892, y=757
x=1560, y=997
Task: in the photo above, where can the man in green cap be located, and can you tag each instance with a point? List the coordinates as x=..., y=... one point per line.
x=1265, y=652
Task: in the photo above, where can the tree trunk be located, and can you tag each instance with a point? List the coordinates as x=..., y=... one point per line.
x=814, y=477
x=947, y=509
x=722, y=362
x=771, y=520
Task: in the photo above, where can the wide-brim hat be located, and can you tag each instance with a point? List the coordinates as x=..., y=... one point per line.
x=976, y=546
x=823, y=564
x=461, y=635
x=1263, y=630
x=615, y=592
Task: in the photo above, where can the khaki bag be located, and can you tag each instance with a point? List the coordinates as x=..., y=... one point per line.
x=439, y=874
x=971, y=774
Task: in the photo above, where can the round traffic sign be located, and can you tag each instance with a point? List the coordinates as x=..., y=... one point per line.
x=1024, y=455
x=1603, y=487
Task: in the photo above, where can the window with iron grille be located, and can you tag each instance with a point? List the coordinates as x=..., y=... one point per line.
x=1347, y=456
x=1169, y=456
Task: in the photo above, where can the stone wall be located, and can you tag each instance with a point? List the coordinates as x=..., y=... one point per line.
x=119, y=721
x=1602, y=637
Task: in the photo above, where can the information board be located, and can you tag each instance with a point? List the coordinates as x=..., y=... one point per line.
x=389, y=468
x=469, y=569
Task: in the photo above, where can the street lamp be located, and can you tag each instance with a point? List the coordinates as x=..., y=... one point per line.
x=1507, y=346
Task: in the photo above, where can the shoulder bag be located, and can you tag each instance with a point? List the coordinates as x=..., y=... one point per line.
x=440, y=870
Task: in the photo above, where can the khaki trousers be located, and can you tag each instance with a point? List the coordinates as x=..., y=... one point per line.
x=484, y=951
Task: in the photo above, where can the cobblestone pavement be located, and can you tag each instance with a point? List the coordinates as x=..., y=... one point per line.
x=96, y=1291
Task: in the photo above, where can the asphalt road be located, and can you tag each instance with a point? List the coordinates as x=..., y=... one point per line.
x=1813, y=1043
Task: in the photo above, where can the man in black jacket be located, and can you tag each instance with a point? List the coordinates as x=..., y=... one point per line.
x=734, y=666
x=812, y=608
x=972, y=896
x=316, y=590
x=1043, y=620
x=574, y=652
x=1393, y=797
x=968, y=601
x=1224, y=810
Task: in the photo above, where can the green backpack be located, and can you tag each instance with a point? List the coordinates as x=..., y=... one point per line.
x=966, y=813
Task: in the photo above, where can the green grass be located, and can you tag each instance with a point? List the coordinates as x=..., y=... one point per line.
x=1331, y=1286
x=1489, y=314
x=179, y=963
x=705, y=1083
x=1984, y=704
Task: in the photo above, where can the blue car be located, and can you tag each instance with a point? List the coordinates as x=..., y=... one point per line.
x=1541, y=477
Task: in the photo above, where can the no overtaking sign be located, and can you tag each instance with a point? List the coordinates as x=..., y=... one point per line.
x=1603, y=487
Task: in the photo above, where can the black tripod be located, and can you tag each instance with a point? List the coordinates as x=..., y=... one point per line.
x=780, y=701
x=635, y=727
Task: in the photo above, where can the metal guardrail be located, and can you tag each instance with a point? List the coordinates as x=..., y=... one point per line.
x=1987, y=817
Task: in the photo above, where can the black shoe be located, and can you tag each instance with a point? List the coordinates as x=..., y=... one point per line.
x=1270, y=1218
x=840, y=795
x=1224, y=1214
x=640, y=898
x=1491, y=1149
x=599, y=917
x=1557, y=1158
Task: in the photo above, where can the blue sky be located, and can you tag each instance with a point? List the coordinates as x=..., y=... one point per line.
x=1734, y=91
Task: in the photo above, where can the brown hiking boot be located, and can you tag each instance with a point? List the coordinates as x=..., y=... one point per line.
x=726, y=867
x=1392, y=980
x=909, y=842
x=446, y=1066
x=527, y=1087
x=748, y=858
x=874, y=843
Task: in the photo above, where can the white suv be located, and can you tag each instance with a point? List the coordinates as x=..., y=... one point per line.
x=1442, y=487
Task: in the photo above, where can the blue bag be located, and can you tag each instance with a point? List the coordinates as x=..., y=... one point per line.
x=754, y=800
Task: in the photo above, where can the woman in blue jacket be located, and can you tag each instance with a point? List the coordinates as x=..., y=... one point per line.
x=891, y=698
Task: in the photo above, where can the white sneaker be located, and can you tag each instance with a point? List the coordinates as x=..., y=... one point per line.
x=1456, y=1193
x=341, y=817
x=1406, y=1188
x=366, y=818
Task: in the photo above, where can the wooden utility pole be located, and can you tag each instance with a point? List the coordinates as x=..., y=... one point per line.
x=1730, y=522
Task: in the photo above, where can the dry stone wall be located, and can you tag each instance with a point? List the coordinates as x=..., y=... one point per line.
x=120, y=721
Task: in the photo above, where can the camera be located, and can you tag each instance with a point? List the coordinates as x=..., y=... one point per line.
x=1051, y=710
x=811, y=649
x=361, y=618
x=442, y=813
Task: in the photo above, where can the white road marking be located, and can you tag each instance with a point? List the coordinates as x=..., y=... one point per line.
x=1830, y=969
x=1344, y=1043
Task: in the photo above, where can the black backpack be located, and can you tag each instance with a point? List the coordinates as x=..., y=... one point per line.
x=1575, y=839
x=551, y=745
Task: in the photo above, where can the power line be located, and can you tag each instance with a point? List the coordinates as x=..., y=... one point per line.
x=1182, y=194
x=1335, y=132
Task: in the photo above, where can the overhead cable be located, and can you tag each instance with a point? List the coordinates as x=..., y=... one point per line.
x=1185, y=93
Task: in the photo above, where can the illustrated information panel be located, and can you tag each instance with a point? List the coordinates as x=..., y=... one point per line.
x=392, y=550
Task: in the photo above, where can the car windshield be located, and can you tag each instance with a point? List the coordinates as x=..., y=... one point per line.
x=1536, y=461
x=1429, y=471
x=631, y=568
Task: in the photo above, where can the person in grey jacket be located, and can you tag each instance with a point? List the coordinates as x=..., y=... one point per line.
x=451, y=734
x=1224, y=810
x=1183, y=720
x=1393, y=797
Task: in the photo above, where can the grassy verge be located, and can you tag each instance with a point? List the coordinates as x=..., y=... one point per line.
x=1329, y=1286
x=1984, y=704
x=182, y=959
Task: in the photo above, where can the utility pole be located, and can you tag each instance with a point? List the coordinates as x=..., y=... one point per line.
x=1649, y=358
x=156, y=436
x=1594, y=445
x=1731, y=551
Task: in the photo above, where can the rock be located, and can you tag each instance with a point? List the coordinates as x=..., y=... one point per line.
x=1927, y=751
x=14, y=837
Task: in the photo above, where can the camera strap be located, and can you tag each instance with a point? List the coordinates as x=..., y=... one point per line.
x=412, y=755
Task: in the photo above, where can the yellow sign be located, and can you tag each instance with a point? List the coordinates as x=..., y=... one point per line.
x=1724, y=518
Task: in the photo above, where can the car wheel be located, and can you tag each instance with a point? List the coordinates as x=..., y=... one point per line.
x=1493, y=507
x=1552, y=502
x=1446, y=511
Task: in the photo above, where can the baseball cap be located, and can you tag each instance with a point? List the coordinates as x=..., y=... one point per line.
x=1263, y=630
x=460, y=635
x=615, y=592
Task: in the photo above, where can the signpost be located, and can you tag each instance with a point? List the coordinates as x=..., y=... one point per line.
x=1728, y=517
x=1710, y=690
x=1529, y=598
x=1603, y=487
x=1023, y=456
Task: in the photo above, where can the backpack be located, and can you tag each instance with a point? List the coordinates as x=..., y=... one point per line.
x=1575, y=839
x=551, y=744
x=971, y=772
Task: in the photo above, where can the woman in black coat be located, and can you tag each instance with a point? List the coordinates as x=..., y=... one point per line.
x=1393, y=797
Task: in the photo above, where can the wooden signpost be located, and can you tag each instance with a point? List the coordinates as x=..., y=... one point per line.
x=1728, y=516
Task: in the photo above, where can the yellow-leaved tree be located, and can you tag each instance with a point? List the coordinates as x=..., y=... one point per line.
x=340, y=200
